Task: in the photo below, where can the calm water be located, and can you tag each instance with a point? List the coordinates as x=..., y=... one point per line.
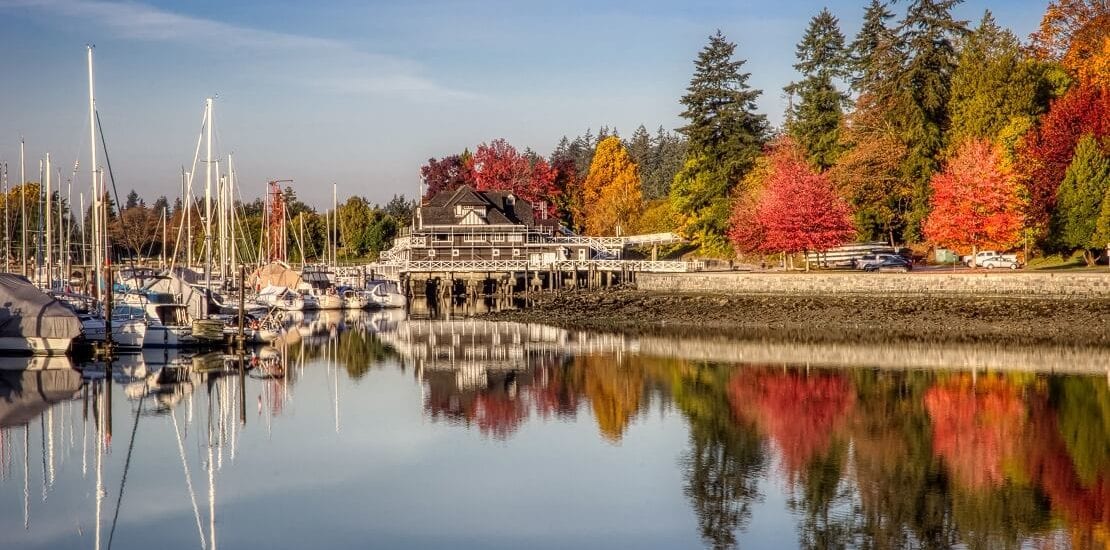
x=376, y=431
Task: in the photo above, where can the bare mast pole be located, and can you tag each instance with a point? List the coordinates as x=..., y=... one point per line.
x=97, y=261
x=23, y=206
x=49, y=227
x=208, y=200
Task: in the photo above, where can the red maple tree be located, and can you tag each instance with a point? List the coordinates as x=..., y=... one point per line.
x=498, y=166
x=975, y=202
x=447, y=174
x=1045, y=154
x=798, y=210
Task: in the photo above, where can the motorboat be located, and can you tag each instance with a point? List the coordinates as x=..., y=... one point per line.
x=386, y=294
x=355, y=299
x=168, y=323
x=279, y=297
x=127, y=334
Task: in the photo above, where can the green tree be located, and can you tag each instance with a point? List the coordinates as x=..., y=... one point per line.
x=724, y=135
x=353, y=218
x=994, y=85
x=920, y=108
x=871, y=46
x=380, y=231
x=815, y=120
x=1079, y=200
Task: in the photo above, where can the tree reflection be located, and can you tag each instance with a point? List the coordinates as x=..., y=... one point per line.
x=726, y=458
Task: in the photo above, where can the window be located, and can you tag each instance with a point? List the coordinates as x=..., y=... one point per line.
x=431, y=253
x=516, y=238
x=454, y=253
x=497, y=238
x=496, y=253
x=472, y=238
x=516, y=252
x=442, y=237
x=582, y=254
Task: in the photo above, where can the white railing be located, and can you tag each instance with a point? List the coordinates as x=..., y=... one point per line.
x=470, y=266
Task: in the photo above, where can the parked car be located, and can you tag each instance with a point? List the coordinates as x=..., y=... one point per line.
x=991, y=259
x=863, y=262
x=896, y=264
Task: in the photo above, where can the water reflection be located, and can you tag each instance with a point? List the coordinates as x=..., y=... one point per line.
x=876, y=456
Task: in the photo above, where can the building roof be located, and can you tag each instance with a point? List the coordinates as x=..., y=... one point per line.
x=501, y=207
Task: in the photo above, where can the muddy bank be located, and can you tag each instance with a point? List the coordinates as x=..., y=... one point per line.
x=825, y=318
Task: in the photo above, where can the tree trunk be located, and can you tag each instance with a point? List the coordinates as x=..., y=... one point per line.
x=974, y=253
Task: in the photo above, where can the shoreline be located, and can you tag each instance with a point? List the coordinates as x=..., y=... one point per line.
x=1029, y=320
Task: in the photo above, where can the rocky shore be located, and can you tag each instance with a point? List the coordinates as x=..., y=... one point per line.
x=825, y=318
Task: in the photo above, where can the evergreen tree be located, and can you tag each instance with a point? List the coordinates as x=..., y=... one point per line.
x=994, y=85
x=161, y=204
x=873, y=41
x=1079, y=200
x=814, y=122
x=920, y=107
x=669, y=150
x=132, y=200
x=639, y=147
x=724, y=135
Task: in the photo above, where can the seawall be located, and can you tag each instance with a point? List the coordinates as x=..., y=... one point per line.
x=1073, y=285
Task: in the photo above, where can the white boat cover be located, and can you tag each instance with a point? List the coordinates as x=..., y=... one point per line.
x=27, y=312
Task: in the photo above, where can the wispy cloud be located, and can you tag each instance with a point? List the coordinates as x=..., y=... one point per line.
x=135, y=21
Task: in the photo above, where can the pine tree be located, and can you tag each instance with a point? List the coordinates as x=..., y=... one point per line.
x=874, y=41
x=814, y=122
x=639, y=147
x=724, y=138
x=920, y=107
x=132, y=200
x=994, y=85
x=1079, y=200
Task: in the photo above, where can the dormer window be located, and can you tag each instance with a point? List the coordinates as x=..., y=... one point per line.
x=510, y=199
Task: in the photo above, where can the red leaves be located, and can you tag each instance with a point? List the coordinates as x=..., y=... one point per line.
x=975, y=202
x=498, y=166
x=1047, y=152
x=447, y=174
x=797, y=210
x=975, y=427
x=800, y=412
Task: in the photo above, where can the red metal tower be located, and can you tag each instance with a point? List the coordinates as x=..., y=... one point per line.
x=275, y=228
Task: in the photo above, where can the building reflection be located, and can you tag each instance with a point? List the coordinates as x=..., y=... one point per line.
x=889, y=457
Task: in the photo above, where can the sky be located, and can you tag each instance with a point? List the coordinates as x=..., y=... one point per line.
x=361, y=93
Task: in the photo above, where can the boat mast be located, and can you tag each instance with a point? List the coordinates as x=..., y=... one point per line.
x=334, y=225
x=208, y=200
x=92, y=169
x=23, y=206
x=231, y=209
x=49, y=227
x=7, y=203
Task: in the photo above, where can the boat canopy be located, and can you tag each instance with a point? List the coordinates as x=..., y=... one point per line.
x=275, y=274
x=27, y=312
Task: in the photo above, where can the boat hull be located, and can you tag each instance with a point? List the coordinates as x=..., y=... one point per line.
x=24, y=345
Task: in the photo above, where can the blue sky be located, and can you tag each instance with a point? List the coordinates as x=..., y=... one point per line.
x=362, y=93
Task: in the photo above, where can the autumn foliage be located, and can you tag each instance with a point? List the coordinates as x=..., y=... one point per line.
x=1077, y=34
x=975, y=202
x=801, y=413
x=498, y=166
x=796, y=210
x=612, y=198
x=976, y=427
x=1047, y=152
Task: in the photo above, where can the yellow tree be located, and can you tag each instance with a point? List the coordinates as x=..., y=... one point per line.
x=612, y=195
x=1077, y=34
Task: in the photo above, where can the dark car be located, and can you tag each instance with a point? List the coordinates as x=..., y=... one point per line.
x=896, y=264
